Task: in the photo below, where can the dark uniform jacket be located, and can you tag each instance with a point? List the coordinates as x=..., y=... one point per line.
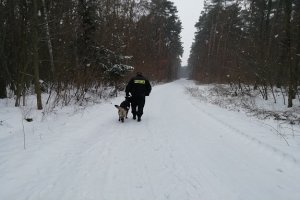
x=138, y=86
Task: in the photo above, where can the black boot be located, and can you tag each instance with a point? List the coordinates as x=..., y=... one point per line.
x=139, y=119
x=134, y=117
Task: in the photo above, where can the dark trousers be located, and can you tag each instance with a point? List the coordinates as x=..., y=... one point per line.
x=137, y=105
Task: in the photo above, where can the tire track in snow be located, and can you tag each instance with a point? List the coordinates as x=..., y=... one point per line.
x=260, y=143
x=177, y=161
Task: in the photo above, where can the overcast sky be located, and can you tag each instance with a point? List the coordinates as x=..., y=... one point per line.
x=188, y=12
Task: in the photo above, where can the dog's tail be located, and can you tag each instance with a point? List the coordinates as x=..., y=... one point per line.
x=117, y=106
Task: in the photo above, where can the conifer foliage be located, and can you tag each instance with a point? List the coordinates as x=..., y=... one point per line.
x=249, y=41
x=80, y=44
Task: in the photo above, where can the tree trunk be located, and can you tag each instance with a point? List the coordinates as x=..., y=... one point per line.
x=50, y=50
x=23, y=60
x=288, y=11
x=3, y=93
x=36, y=58
x=297, y=50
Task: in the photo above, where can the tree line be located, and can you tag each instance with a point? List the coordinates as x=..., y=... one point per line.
x=59, y=46
x=250, y=42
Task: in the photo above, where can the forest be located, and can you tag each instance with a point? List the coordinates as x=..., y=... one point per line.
x=69, y=49
x=250, y=44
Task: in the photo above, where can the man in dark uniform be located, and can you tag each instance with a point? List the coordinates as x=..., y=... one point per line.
x=138, y=87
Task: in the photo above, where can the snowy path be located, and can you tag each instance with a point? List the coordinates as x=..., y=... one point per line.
x=182, y=150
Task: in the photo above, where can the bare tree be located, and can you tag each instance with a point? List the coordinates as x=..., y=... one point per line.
x=49, y=43
x=35, y=40
x=288, y=12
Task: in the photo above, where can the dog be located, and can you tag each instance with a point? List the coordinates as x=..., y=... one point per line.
x=123, y=108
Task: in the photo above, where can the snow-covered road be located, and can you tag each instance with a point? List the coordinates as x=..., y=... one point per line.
x=182, y=150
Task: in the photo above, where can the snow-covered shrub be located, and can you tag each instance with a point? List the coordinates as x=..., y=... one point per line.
x=250, y=101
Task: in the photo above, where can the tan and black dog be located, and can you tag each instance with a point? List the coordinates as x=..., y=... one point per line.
x=123, y=108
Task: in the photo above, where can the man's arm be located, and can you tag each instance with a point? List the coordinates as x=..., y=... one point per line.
x=148, y=88
x=128, y=87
